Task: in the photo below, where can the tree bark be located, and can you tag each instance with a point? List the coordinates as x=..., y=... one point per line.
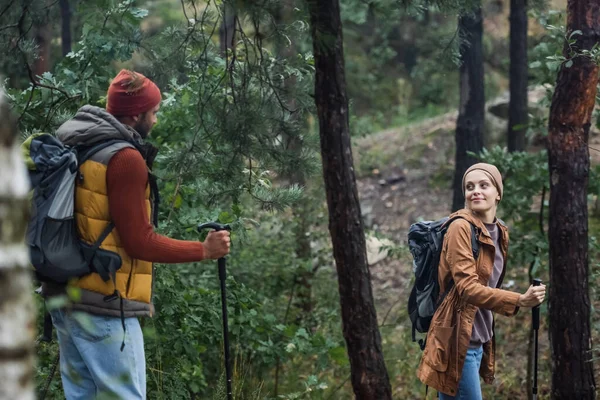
x=568, y=159
x=65, y=13
x=367, y=367
x=43, y=38
x=227, y=29
x=17, y=320
x=517, y=108
x=469, y=125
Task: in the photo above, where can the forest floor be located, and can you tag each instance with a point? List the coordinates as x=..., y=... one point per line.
x=405, y=175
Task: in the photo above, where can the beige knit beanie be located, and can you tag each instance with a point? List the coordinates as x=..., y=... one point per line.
x=492, y=172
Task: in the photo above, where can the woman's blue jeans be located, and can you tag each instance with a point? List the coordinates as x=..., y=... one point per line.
x=92, y=365
x=469, y=387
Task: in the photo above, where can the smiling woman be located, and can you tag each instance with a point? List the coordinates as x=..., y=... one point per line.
x=460, y=342
x=483, y=191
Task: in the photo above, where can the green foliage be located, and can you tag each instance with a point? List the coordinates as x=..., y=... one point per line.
x=525, y=203
x=234, y=129
x=231, y=127
x=110, y=33
x=547, y=54
x=402, y=60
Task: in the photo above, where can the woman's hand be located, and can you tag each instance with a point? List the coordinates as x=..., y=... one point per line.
x=533, y=297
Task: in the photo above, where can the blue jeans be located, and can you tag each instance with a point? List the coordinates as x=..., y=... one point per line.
x=92, y=365
x=469, y=387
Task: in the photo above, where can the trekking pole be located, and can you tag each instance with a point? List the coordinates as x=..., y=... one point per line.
x=535, y=311
x=222, y=276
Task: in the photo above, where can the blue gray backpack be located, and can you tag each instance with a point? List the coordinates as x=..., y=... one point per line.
x=425, y=240
x=56, y=251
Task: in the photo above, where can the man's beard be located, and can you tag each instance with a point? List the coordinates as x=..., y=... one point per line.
x=142, y=128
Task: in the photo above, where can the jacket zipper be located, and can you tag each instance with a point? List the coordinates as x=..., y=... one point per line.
x=498, y=285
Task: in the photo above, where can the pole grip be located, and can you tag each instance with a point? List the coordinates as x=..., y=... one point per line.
x=213, y=225
x=536, y=310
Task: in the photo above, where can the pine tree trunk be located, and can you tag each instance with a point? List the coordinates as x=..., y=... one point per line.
x=65, y=13
x=469, y=125
x=568, y=159
x=17, y=319
x=517, y=107
x=227, y=29
x=369, y=375
x=43, y=38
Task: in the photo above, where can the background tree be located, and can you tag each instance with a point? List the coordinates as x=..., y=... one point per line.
x=298, y=140
x=368, y=371
x=16, y=304
x=227, y=28
x=569, y=166
x=471, y=112
x=228, y=141
x=518, y=113
x=65, y=14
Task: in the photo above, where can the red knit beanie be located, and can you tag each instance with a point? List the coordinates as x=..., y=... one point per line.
x=131, y=93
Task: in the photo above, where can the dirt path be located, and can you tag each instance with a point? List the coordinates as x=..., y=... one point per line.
x=406, y=174
x=397, y=190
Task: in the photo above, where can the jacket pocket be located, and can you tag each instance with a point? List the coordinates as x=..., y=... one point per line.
x=439, y=342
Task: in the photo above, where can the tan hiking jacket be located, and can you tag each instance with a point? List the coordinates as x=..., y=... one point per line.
x=450, y=331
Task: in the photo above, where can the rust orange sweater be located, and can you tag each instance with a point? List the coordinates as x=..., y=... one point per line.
x=126, y=180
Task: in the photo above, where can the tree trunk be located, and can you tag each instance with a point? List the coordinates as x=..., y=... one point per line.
x=469, y=125
x=367, y=367
x=42, y=40
x=517, y=108
x=17, y=320
x=65, y=13
x=568, y=159
x=227, y=29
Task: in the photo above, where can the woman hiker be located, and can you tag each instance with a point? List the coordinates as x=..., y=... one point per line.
x=460, y=342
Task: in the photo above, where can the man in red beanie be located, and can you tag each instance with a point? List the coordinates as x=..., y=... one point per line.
x=116, y=203
x=134, y=100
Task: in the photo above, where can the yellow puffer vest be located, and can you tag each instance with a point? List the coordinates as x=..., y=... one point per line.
x=133, y=280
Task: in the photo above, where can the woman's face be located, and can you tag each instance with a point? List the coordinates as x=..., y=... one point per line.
x=480, y=193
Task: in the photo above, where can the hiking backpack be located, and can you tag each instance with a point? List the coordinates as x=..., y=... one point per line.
x=425, y=240
x=56, y=251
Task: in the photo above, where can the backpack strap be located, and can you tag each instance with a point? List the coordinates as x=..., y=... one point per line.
x=155, y=196
x=47, y=335
x=474, y=236
x=474, y=242
x=90, y=255
x=103, y=235
x=84, y=153
x=474, y=247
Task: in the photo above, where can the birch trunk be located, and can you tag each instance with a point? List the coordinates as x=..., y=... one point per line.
x=17, y=313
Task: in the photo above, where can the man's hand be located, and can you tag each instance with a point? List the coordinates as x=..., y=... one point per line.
x=216, y=245
x=533, y=297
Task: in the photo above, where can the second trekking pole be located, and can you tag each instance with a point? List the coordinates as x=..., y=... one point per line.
x=535, y=314
x=222, y=277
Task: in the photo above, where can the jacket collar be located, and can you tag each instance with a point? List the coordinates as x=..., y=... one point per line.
x=92, y=125
x=469, y=216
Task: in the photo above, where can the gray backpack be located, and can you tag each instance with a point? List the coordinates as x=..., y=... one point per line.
x=57, y=253
x=425, y=240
